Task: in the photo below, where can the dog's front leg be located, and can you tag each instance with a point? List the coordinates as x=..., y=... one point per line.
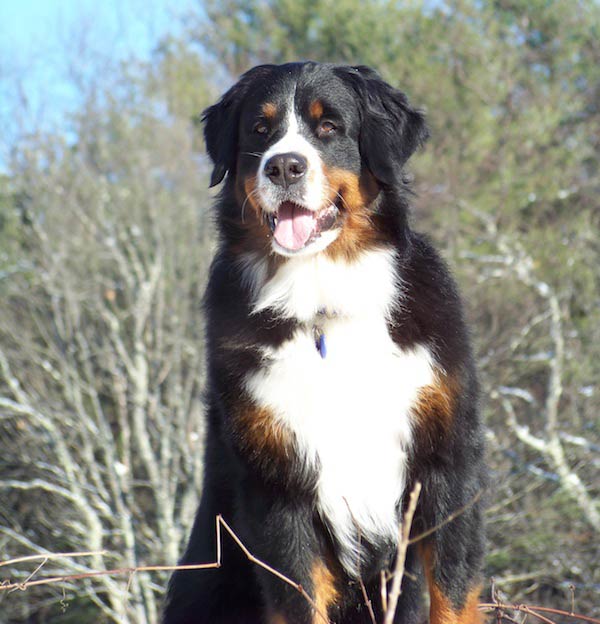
x=299, y=586
x=452, y=554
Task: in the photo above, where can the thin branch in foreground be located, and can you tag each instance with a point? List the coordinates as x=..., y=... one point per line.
x=8, y=586
x=533, y=611
x=383, y=590
x=49, y=556
x=22, y=586
x=40, y=565
x=403, y=542
x=361, y=583
x=389, y=602
x=367, y=600
x=273, y=571
x=447, y=520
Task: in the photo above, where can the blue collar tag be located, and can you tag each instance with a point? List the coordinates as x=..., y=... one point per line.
x=321, y=346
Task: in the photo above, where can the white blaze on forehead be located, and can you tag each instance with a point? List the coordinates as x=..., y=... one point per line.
x=312, y=194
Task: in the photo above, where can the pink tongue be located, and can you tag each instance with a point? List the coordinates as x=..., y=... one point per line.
x=294, y=226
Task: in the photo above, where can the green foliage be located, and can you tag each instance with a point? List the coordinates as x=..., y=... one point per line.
x=180, y=78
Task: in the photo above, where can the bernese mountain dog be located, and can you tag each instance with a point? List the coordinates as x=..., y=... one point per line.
x=339, y=366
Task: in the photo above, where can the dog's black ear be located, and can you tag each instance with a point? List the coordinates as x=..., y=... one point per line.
x=221, y=124
x=391, y=130
x=220, y=135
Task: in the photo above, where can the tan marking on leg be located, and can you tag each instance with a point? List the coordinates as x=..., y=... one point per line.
x=325, y=593
x=441, y=609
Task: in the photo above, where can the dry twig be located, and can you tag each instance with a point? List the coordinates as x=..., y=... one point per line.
x=389, y=602
x=403, y=541
x=535, y=611
x=49, y=556
x=220, y=522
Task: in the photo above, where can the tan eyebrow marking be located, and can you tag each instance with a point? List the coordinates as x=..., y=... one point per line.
x=269, y=110
x=316, y=109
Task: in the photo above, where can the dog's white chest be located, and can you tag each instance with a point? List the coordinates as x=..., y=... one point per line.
x=350, y=414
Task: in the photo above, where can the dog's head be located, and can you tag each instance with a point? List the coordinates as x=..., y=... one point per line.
x=308, y=147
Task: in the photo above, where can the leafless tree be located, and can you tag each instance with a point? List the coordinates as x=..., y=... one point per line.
x=541, y=420
x=101, y=357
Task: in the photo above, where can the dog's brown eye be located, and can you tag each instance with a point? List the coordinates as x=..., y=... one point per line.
x=326, y=128
x=260, y=127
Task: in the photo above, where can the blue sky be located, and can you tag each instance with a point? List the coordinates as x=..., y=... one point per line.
x=39, y=40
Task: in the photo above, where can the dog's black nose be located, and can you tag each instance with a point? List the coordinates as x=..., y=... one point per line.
x=286, y=169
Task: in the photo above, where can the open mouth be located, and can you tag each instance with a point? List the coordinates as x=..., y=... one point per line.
x=295, y=227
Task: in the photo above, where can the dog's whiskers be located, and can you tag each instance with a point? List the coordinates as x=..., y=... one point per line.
x=252, y=193
x=330, y=189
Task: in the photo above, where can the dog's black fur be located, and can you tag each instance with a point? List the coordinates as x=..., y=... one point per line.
x=268, y=496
